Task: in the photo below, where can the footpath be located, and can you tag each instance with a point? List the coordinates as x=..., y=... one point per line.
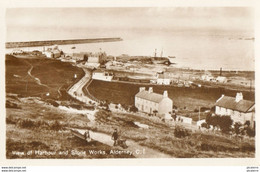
x=137, y=150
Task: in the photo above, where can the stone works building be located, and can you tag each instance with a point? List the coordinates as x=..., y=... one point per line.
x=149, y=102
x=237, y=108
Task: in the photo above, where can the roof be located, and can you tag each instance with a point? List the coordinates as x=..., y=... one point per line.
x=221, y=78
x=154, y=97
x=98, y=71
x=230, y=103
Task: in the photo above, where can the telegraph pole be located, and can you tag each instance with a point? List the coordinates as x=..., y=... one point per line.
x=199, y=113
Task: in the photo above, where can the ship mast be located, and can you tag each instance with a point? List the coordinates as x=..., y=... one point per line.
x=162, y=53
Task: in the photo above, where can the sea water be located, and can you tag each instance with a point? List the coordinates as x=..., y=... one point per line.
x=206, y=50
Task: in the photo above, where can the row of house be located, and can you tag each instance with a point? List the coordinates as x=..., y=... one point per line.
x=150, y=102
x=211, y=78
x=237, y=108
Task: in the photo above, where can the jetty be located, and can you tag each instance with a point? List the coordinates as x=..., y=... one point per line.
x=59, y=42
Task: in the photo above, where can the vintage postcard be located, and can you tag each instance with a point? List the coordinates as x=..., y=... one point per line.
x=137, y=82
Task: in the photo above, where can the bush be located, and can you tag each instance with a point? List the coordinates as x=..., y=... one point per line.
x=196, y=110
x=181, y=132
x=10, y=120
x=237, y=126
x=223, y=122
x=56, y=126
x=205, y=125
x=250, y=132
x=52, y=102
x=133, y=109
x=203, y=109
x=27, y=123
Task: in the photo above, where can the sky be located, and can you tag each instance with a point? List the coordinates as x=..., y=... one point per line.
x=33, y=23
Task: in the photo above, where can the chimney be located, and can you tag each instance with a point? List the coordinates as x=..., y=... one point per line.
x=141, y=89
x=165, y=94
x=239, y=97
x=150, y=89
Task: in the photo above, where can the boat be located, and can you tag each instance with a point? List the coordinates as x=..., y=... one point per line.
x=73, y=47
x=162, y=60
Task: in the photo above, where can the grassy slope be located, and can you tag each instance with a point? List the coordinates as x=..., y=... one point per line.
x=190, y=97
x=161, y=137
x=55, y=74
x=40, y=133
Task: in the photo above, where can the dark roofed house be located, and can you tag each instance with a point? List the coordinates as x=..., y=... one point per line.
x=148, y=101
x=239, y=109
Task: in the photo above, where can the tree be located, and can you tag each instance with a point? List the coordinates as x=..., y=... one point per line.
x=133, y=109
x=237, y=126
x=225, y=123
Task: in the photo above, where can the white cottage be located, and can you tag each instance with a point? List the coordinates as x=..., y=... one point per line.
x=148, y=101
x=163, y=79
x=102, y=75
x=239, y=109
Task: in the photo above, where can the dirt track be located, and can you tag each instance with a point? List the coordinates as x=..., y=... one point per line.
x=138, y=150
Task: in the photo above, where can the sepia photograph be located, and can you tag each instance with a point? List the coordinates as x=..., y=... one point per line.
x=130, y=83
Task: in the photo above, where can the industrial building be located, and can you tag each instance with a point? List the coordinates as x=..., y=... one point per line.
x=52, y=52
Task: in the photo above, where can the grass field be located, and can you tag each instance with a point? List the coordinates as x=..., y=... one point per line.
x=53, y=73
x=32, y=123
x=190, y=98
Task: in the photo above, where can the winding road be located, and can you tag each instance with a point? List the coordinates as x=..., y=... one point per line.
x=76, y=90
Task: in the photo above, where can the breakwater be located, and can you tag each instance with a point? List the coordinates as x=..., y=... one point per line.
x=58, y=42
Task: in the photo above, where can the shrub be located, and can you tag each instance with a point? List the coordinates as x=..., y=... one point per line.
x=26, y=123
x=247, y=123
x=133, y=109
x=222, y=122
x=205, y=125
x=10, y=120
x=56, y=126
x=181, y=132
x=203, y=109
x=237, y=126
x=225, y=123
x=196, y=110
x=52, y=102
x=250, y=132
